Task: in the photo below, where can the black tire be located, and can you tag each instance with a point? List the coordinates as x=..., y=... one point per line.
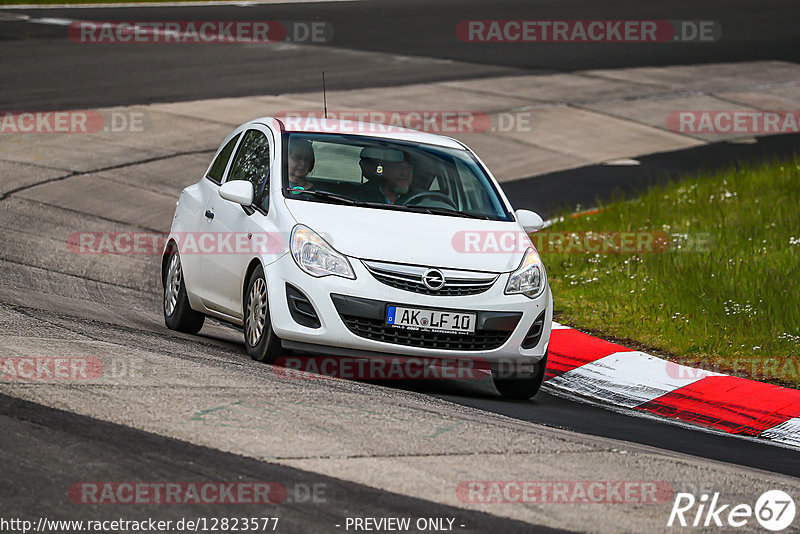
x=523, y=387
x=178, y=314
x=263, y=345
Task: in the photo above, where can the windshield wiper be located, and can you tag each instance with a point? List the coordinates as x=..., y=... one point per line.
x=446, y=211
x=323, y=194
x=341, y=198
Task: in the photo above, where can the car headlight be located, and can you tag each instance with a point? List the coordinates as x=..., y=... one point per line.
x=315, y=256
x=529, y=278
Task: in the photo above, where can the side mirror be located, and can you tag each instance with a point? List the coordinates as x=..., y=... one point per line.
x=529, y=220
x=239, y=191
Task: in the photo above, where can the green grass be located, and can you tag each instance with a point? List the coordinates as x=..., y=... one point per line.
x=733, y=305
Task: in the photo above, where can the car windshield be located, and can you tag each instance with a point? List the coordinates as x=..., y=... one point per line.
x=388, y=174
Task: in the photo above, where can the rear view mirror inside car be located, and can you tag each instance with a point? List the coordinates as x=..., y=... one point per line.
x=382, y=154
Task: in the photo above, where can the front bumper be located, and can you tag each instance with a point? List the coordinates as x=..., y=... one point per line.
x=509, y=317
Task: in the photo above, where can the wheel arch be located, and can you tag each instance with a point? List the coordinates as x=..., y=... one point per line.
x=168, y=250
x=251, y=267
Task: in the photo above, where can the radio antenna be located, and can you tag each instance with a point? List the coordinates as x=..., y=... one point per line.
x=324, y=96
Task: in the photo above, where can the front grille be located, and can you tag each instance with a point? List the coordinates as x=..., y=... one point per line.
x=378, y=330
x=409, y=278
x=446, y=291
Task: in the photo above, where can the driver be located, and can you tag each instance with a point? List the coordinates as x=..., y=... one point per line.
x=396, y=182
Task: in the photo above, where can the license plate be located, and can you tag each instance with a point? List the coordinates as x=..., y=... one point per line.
x=440, y=321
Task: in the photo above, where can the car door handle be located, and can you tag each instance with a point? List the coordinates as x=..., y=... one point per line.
x=209, y=214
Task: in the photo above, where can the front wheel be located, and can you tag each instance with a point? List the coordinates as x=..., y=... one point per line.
x=523, y=387
x=259, y=338
x=178, y=314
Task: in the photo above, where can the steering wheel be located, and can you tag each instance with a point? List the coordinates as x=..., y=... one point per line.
x=429, y=194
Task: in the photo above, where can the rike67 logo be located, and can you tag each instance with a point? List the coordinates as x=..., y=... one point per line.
x=774, y=510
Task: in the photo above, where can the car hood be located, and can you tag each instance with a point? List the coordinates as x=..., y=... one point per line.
x=415, y=238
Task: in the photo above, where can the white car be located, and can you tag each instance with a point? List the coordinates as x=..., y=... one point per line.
x=353, y=239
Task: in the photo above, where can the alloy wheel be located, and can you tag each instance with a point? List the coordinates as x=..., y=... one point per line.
x=257, y=311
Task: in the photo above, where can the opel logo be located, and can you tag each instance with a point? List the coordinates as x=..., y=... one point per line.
x=433, y=279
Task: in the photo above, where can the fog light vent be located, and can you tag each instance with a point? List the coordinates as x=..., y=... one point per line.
x=535, y=333
x=300, y=308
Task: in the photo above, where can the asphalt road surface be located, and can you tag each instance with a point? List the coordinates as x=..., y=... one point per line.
x=51, y=449
x=375, y=43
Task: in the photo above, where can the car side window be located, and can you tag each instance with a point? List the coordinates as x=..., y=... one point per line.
x=252, y=164
x=218, y=167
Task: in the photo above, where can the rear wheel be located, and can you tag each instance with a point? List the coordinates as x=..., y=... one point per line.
x=263, y=345
x=178, y=315
x=521, y=387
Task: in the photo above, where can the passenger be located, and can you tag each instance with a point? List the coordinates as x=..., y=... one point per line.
x=301, y=163
x=395, y=178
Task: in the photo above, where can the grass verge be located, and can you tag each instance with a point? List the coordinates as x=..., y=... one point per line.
x=705, y=270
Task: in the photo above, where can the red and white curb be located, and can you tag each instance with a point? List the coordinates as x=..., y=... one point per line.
x=589, y=367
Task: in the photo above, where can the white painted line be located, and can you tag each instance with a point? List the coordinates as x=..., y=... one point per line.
x=52, y=21
x=787, y=432
x=557, y=326
x=6, y=17
x=622, y=162
x=627, y=379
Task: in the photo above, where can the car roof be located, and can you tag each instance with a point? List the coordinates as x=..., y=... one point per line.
x=366, y=129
